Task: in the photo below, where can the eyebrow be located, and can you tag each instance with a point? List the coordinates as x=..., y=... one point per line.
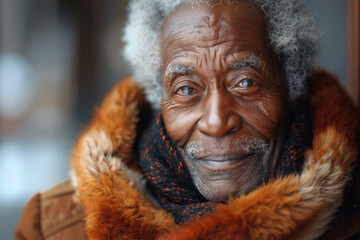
x=174, y=69
x=247, y=61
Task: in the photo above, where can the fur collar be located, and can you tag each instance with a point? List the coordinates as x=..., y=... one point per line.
x=110, y=186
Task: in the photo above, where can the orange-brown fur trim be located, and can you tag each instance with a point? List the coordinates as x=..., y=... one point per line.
x=267, y=213
x=294, y=207
x=104, y=165
x=332, y=106
x=115, y=210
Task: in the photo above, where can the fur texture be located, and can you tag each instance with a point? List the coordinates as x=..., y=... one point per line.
x=107, y=173
x=294, y=207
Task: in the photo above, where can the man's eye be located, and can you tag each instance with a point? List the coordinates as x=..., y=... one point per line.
x=185, y=91
x=246, y=83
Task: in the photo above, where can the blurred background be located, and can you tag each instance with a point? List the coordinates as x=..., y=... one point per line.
x=58, y=58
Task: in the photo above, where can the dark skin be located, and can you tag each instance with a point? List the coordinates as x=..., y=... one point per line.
x=222, y=84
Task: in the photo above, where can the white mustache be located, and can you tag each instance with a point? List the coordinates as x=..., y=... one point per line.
x=244, y=144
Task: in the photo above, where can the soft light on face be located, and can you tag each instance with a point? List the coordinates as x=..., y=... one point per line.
x=223, y=96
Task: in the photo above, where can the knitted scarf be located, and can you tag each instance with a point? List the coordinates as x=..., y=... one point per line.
x=170, y=182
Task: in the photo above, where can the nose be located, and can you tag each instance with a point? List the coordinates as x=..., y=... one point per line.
x=220, y=117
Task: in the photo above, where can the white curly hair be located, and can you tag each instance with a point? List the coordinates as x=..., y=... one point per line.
x=292, y=32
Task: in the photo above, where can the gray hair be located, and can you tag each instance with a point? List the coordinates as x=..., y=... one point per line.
x=292, y=33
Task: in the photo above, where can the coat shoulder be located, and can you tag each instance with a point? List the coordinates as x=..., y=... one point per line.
x=52, y=215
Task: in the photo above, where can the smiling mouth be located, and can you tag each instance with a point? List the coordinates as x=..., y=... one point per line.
x=224, y=162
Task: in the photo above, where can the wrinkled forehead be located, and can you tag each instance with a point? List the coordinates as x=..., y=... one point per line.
x=219, y=20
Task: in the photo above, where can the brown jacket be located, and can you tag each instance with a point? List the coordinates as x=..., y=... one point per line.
x=107, y=182
x=52, y=215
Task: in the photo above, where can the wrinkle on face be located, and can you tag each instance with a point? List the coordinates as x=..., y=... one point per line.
x=212, y=51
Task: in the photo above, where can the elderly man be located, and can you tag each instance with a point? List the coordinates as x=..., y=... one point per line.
x=237, y=136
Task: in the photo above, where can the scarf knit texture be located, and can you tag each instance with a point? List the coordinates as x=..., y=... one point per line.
x=169, y=180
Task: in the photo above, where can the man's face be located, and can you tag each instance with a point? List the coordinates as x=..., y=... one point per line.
x=223, y=96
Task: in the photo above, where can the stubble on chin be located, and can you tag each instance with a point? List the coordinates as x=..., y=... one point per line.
x=194, y=149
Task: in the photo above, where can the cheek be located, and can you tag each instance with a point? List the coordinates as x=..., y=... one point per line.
x=267, y=114
x=179, y=123
x=273, y=108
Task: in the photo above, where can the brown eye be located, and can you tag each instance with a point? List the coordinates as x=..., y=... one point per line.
x=185, y=91
x=246, y=83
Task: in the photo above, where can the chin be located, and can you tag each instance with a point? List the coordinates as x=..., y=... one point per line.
x=219, y=185
x=221, y=191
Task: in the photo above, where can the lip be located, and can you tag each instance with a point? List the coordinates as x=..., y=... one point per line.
x=224, y=162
